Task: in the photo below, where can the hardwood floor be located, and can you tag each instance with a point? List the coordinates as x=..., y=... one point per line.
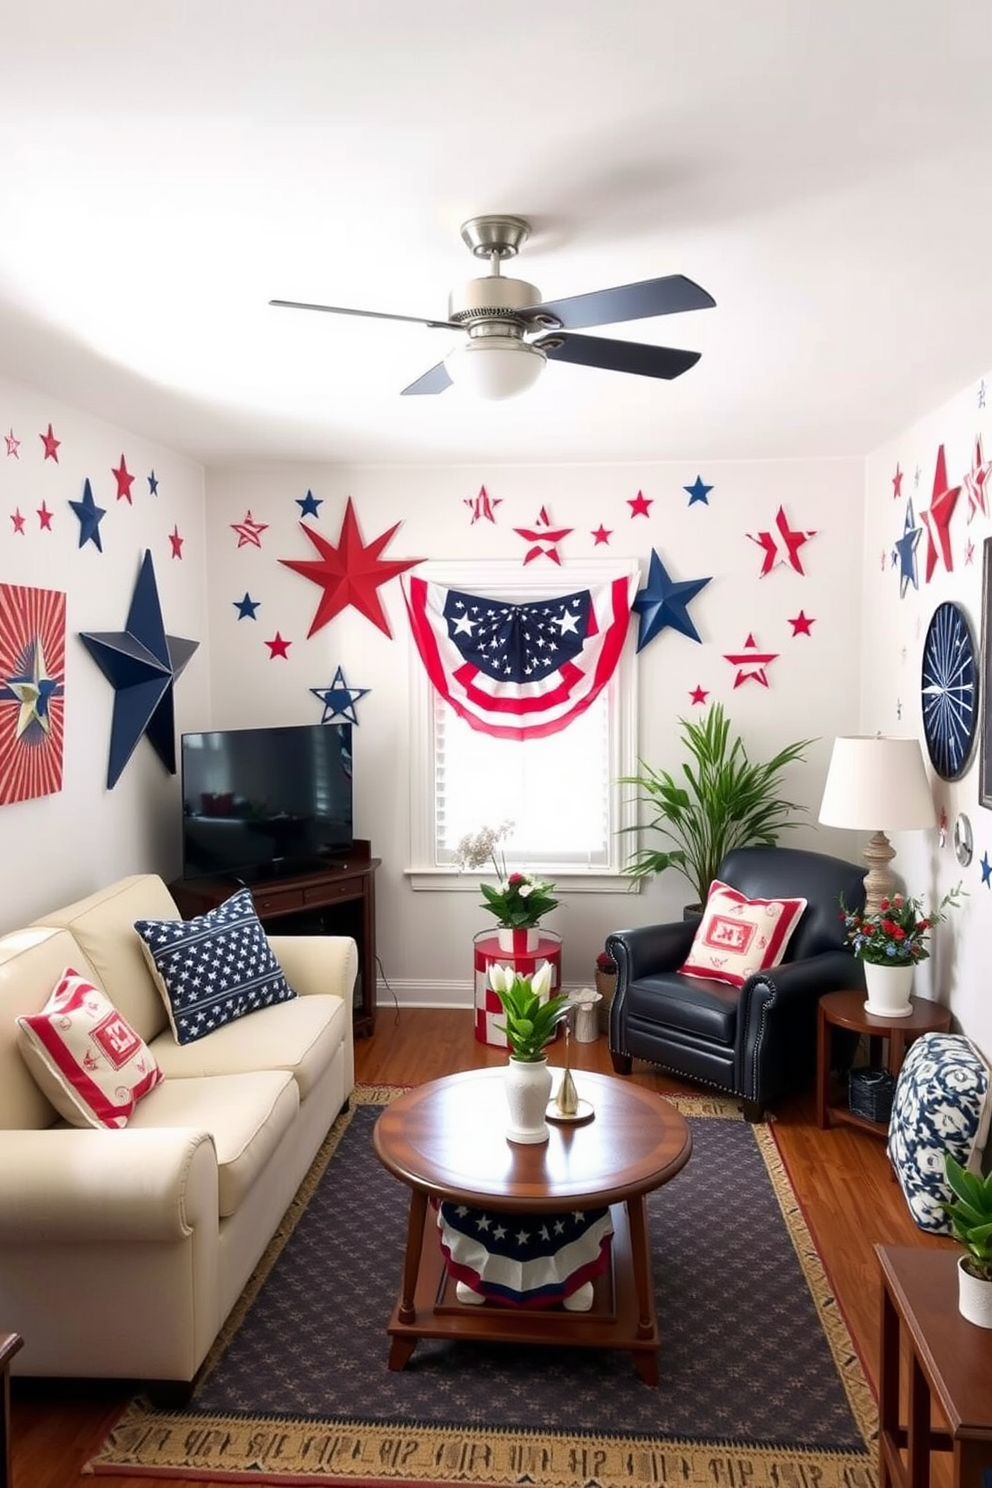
x=842, y=1177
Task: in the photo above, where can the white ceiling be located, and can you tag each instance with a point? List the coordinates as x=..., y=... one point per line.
x=820, y=166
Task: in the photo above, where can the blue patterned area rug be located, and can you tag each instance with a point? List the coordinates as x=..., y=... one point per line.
x=760, y=1383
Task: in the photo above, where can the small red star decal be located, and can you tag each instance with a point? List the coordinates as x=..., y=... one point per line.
x=124, y=480
x=278, y=647
x=698, y=695
x=640, y=504
x=602, y=535
x=543, y=537
x=938, y=519
x=974, y=482
x=249, y=531
x=483, y=506
x=801, y=624
x=969, y=552
x=18, y=521
x=13, y=445
x=45, y=518
x=177, y=542
x=351, y=573
x=751, y=663
x=897, y=482
x=51, y=445
x=791, y=540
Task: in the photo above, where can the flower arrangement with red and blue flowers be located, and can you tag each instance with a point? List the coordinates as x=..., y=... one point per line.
x=896, y=933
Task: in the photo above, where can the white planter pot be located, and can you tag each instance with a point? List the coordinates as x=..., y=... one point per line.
x=518, y=942
x=974, y=1297
x=888, y=989
x=528, y=1089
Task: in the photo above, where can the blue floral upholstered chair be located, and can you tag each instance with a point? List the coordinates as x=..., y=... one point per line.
x=752, y=1035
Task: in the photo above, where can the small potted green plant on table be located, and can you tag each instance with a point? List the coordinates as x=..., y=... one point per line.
x=970, y=1213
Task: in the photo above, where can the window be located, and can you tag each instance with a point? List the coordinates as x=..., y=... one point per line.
x=560, y=791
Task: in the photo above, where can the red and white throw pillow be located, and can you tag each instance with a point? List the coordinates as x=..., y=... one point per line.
x=738, y=936
x=85, y=1057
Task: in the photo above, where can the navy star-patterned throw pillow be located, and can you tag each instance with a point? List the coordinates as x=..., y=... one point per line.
x=214, y=968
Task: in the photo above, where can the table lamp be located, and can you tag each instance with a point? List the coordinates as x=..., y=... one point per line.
x=877, y=782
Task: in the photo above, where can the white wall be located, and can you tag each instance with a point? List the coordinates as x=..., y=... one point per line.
x=891, y=654
x=63, y=845
x=425, y=939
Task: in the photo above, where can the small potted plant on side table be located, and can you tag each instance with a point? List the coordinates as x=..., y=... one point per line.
x=970, y=1214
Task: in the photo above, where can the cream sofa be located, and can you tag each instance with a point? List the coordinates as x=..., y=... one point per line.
x=122, y=1251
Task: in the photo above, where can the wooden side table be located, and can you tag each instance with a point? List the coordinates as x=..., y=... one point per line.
x=847, y=1010
x=950, y=1365
x=9, y=1344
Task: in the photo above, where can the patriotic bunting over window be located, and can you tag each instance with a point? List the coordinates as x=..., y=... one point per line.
x=519, y=670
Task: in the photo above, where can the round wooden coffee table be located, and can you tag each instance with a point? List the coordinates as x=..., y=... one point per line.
x=446, y=1139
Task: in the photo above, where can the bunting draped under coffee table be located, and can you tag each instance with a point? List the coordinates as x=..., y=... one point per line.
x=760, y=1385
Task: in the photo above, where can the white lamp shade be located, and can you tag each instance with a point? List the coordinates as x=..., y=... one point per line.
x=875, y=783
x=495, y=366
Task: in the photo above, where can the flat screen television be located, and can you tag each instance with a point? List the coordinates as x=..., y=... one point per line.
x=260, y=802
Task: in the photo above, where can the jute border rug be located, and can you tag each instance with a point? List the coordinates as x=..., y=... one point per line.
x=198, y=1447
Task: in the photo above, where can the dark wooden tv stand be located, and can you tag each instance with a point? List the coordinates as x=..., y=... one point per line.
x=335, y=899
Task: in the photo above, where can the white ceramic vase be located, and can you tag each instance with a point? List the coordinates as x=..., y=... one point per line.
x=888, y=989
x=974, y=1297
x=527, y=1083
x=518, y=942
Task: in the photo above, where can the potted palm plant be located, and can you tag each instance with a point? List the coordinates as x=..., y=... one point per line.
x=532, y=1019
x=722, y=799
x=970, y=1213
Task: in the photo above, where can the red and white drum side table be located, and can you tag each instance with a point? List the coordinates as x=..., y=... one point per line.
x=488, y=1009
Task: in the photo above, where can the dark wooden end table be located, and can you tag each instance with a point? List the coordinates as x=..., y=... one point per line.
x=9, y=1345
x=847, y=1010
x=950, y=1365
x=446, y=1139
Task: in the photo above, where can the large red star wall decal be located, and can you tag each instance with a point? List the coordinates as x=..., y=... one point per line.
x=124, y=479
x=937, y=520
x=544, y=538
x=974, y=482
x=751, y=663
x=351, y=573
x=783, y=548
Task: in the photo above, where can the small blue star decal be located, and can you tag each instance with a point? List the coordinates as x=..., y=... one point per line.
x=339, y=699
x=153, y=484
x=310, y=505
x=906, y=552
x=698, y=491
x=141, y=663
x=90, y=516
x=246, y=607
x=986, y=871
x=663, y=603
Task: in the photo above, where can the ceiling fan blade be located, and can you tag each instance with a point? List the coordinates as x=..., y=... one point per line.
x=434, y=381
x=628, y=302
x=450, y=325
x=619, y=356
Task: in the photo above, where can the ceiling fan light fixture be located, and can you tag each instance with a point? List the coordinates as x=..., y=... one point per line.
x=495, y=367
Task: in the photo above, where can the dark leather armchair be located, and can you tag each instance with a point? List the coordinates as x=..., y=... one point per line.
x=757, y=1041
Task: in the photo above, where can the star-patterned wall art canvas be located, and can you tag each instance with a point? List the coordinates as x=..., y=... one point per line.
x=32, y=692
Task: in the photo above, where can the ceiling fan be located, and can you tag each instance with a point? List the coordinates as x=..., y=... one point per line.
x=512, y=332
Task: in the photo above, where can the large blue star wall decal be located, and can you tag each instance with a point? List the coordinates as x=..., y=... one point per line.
x=90, y=516
x=339, y=699
x=142, y=664
x=662, y=603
